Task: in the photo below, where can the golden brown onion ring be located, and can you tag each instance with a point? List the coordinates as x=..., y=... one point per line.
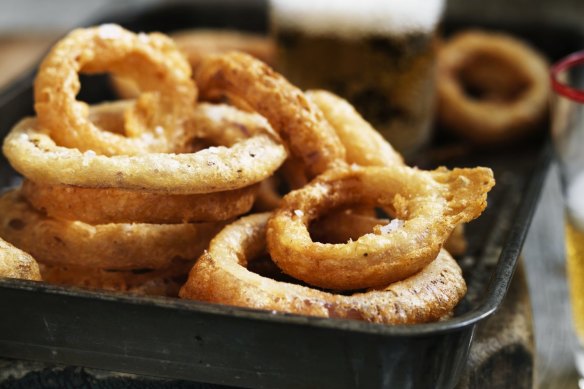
x=508, y=83
x=251, y=84
x=221, y=276
x=143, y=282
x=36, y=156
x=195, y=44
x=152, y=60
x=212, y=124
x=363, y=144
x=15, y=263
x=107, y=246
x=427, y=206
x=111, y=205
x=340, y=226
x=366, y=147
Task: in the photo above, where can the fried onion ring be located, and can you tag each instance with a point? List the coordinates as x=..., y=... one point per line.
x=427, y=206
x=107, y=246
x=211, y=125
x=152, y=60
x=363, y=144
x=221, y=276
x=365, y=147
x=251, y=84
x=195, y=44
x=492, y=88
x=15, y=263
x=110, y=205
x=143, y=282
x=36, y=156
x=341, y=226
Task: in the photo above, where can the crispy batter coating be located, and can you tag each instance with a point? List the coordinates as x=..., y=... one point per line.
x=365, y=147
x=34, y=154
x=152, y=60
x=427, y=206
x=492, y=88
x=363, y=144
x=212, y=124
x=341, y=226
x=107, y=246
x=249, y=83
x=197, y=43
x=143, y=282
x=15, y=263
x=221, y=276
x=111, y=205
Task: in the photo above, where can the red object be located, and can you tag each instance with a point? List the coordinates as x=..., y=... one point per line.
x=566, y=64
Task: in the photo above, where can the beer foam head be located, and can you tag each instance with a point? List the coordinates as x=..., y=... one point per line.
x=357, y=18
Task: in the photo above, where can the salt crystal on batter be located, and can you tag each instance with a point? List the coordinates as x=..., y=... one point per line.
x=464, y=180
x=109, y=31
x=159, y=130
x=89, y=154
x=391, y=226
x=215, y=114
x=143, y=37
x=298, y=213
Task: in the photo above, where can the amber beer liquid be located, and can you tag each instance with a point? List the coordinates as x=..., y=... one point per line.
x=380, y=55
x=575, y=251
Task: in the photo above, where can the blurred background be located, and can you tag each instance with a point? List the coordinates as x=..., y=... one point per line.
x=34, y=24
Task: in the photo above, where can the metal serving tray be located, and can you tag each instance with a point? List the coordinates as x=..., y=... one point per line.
x=243, y=347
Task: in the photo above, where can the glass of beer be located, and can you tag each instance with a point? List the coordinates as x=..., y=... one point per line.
x=378, y=54
x=567, y=77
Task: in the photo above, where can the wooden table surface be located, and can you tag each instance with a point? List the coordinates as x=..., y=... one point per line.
x=543, y=261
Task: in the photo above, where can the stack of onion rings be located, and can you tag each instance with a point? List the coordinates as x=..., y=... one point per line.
x=218, y=124
x=132, y=184
x=126, y=196
x=120, y=246
x=35, y=155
